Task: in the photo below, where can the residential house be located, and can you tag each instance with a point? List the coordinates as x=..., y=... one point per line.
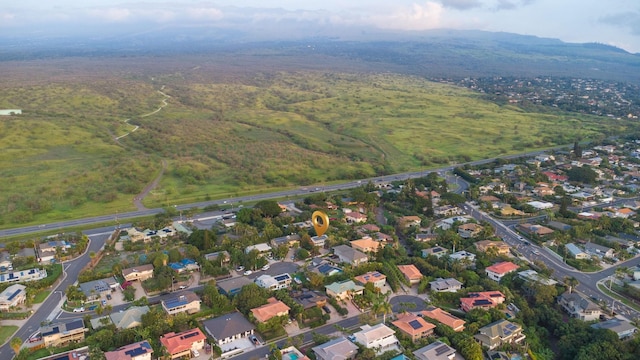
x=437, y=251
x=137, y=351
x=445, y=285
x=575, y=252
x=498, y=271
x=355, y=217
x=232, y=286
x=27, y=253
x=532, y=275
x=292, y=353
x=221, y=256
x=349, y=255
x=599, y=250
x=367, y=245
x=181, y=345
x=579, y=307
x=435, y=351
x=309, y=299
x=446, y=224
x=96, y=289
x=376, y=278
x=277, y=282
x=45, y=257
x=624, y=213
x=444, y=317
x=425, y=237
x=23, y=275
x=413, y=326
x=336, y=349
x=623, y=328
x=559, y=225
x=319, y=241
x=409, y=221
x=271, y=309
x=482, y=300
x=75, y=354
x=343, y=289
x=141, y=272
x=498, y=333
x=379, y=337
x=12, y=296
x=411, y=273
x=463, y=256
x=534, y=229
x=227, y=328
x=500, y=247
x=52, y=246
x=447, y=210
x=5, y=261
x=368, y=229
x=263, y=249
x=187, y=302
x=288, y=240
x=129, y=318
x=469, y=230
x=60, y=334
x=323, y=267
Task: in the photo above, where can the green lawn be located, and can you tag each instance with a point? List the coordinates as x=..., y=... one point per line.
x=41, y=296
x=6, y=331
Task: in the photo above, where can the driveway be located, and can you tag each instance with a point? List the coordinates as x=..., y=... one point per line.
x=403, y=302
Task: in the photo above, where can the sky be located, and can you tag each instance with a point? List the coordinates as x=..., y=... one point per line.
x=612, y=22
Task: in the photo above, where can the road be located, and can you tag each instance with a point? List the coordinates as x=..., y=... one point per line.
x=280, y=194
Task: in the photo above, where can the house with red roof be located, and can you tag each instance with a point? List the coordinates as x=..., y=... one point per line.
x=481, y=300
x=410, y=273
x=413, y=326
x=444, y=317
x=498, y=271
x=271, y=309
x=180, y=345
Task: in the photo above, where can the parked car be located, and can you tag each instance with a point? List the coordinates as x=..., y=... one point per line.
x=248, y=272
x=255, y=340
x=80, y=309
x=266, y=267
x=182, y=287
x=108, y=296
x=326, y=309
x=195, y=352
x=104, y=302
x=239, y=268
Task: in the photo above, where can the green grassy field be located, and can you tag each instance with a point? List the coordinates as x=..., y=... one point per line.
x=237, y=136
x=6, y=331
x=41, y=296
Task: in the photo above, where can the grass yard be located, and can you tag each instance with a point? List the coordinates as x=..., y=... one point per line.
x=6, y=331
x=41, y=296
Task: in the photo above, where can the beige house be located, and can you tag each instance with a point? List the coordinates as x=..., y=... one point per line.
x=343, y=289
x=61, y=334
x=137, y=351
x=469, y=230
x=411, y=273
x=141, y=272
x=376, y=278
x=408, y=221
x=367, y=245
x=12, y=296
x=498, y=333
x=270, y=310
x=187, y=302
x=500, y=247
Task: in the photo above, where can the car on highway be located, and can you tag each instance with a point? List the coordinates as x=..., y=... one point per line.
x=536, y=252
x=248, y=272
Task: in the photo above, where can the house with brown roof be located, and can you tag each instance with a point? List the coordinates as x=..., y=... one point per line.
x=137, y=351
x=349, y=255
x=500, y=247
x=444, y=317
x=408, y=221
x=140, y=272
x=411, y=273
x=469, y=230
x=369, y=228
x=181, y=344
x=413, y=326
x=534, y=229
x=483, y=300
x=355, y=217
x=336, y=349
x=376, y=278
x=229, y=327
x=498, y=333
x=498, y=271
x=271, y=309
x=367, y=245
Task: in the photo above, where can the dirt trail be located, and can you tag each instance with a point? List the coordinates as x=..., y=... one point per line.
x=137, y=201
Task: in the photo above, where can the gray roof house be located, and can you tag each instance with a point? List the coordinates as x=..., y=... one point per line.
x=579, y=307
x=575, y=252
x=622, y=328
x=337, y=349
x=445, y=285
x=598, y=250
x=229, y=327
x=435, y=351
x=350, y=255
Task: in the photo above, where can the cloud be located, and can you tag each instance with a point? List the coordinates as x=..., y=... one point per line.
x=205, y=13
x=461, y=4
x=626, y=20
x=512, y=4
x=111, y=14
x=415, y=17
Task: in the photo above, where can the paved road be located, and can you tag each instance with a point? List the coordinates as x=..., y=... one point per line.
x=409, y=303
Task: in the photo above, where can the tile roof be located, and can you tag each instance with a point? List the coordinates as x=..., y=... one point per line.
x=444, y=317
x=130, y=351
x=504, y=267
x=272, y=308
x=410, y=271
x=176, y=343
x=412, y=324
x=228, y=325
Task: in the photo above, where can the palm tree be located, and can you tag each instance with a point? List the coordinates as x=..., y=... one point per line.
x=16, y=344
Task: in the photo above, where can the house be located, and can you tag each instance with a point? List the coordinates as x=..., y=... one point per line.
x=500, y=247
x=46, y=256
x=187, y=302
x=408, y=221
x=5, y=261
x=323, y=267
x=182, y=344
x=277, y=282
x=379, y=337
x=376, y=278
x=232, y=286
x=498, y=271
x=369, y=228
x=469, y=230
x=599, y=250
x=142, y=273
x=342, y=290
x=482, y=300
x=624, y=213
x=575, y=252
x=447, y=224
x=435, y=351
x=367, y=245
x=498, y=333
x=96, y=289
x=445, y=285
x=559, y=225
x=336, y=349
x=444, y=317
x=227, y=328
x=425, y=237
x=263, y=249
x=463, y=256
x=350, y=255
x=437, y=251
x=12, y=296
x=319, y=241
x=355, y=217
x=534, y=229
x=288, y=240
x=27, y=252
x=23, y=275
x=413, y=326
x=541, y=205
x=292, y=353
x=271, y=309
x=129, y=318
x=61, y=334
x=447, y=210
x=411, y=273
x=579, y=307
x=309, y=299
x=623, y=328
x=52, y=246
x=75, y=354
x=532, y=275
x=221, y=256
x=137, y=351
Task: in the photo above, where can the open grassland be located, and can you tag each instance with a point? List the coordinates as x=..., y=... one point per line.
x=225, y=136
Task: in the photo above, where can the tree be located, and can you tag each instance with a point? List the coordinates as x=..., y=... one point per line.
x=16, y=344
x=571, y=282
x=251, y=296
x=269, y=208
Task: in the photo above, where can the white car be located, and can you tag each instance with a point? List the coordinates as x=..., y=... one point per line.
x=266, y=267
x=80, y=309
x=195, y=353
x=248, y=272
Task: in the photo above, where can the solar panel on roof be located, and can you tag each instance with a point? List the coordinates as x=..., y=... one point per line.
x=482, y=302
x=441, y=350
x=175, y=303
x=473, y=295
x=186, y=336
x=495, y=295
x=281, y=277
x=135, y=352
x=75, y=324
x=14, y=294
x=511, y=327
x=415, y=324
